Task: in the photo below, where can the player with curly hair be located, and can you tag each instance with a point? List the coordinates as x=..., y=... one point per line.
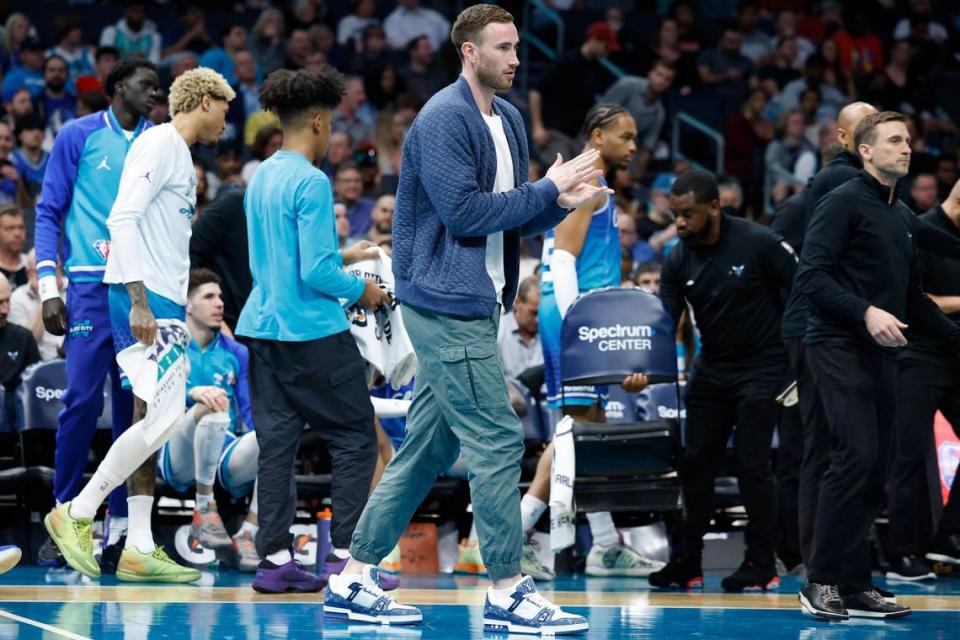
x=148, y=268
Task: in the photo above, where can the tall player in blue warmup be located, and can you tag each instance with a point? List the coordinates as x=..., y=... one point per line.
x=583, y=254
x=78, y=191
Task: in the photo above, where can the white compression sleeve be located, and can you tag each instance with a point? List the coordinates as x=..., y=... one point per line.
x=207, y=445
x=566, y=288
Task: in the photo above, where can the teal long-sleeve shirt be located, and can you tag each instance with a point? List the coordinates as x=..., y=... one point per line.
x=298, y=276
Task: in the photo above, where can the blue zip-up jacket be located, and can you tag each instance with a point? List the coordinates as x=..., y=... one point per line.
x=446, y=208
x=223, y=364
x=79, y=187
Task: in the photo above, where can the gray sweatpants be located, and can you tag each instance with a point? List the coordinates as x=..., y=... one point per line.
x=460, y=402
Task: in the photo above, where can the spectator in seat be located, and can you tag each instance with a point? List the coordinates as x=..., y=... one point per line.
x=68, y=33
x=353, y=115
x=923, y=192
x=350, y=28
x=267, y=142
x=29, y=159
x=381, y=231
x=861, y=51
x=947, y=175
x=421, y=75
x=647, y=276
x=90, y=102
x=374, y=53
x=638, y=249
x=747, y=134
x=731, y=193
x=338, y=152
x=227, y=173
x=780, y=69
x=390, y=143
x=190, y=34
x=133, y=34
x=11, y=186
x=17, y=29
x=365, y=157
x=269, y=34
x=559, y=103
x=657, y=218
x=755, y=44
x=643, y=98
x=410, y=20
x=221, y=59
x=727, y=71
x=348, y=186
x=26, y=311
x=29, y=74
x=786, y=29
x=17, y=343
x=300, y=50
x=103, y=61
x=18, y=106
x=813, y=78
x=13, y=262
x=57, y=104
x=792, y=154
x=518, y=340
x=343, y=225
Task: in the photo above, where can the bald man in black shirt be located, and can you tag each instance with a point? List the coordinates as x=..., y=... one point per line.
x=18, y=350
x=734, y=274
x=859, y=272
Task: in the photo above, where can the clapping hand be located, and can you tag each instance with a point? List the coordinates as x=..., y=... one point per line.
x=573, y=179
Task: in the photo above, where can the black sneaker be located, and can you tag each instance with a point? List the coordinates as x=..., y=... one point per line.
x=49, y=555
x=751, y=577
x=111, y=556
x=945, y=548
x=822, y=601
x=870, y=604
x=678, y=573
x=910, y=569
x=889, y=596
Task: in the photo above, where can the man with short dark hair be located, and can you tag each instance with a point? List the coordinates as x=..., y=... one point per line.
x=350, y=115
x=348, y=187
x=923, y=192
x=643, y=97
x=462, y=205
x=13, y=261
x=732, y=272
x=29, y=159
x=647, y=276
x=859, y=272
x=559, y=103
x=57, y=104
x=422, y=76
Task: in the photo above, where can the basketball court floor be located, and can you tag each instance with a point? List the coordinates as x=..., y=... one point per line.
x=56, y=604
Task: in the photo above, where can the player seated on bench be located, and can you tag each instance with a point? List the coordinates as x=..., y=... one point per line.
x=211, y=446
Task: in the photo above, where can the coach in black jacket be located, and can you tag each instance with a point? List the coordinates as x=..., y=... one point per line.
x=859, y=272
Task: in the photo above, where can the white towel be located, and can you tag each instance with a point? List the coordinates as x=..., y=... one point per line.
x=158, y=376
x=563, y=530
x=382, y=338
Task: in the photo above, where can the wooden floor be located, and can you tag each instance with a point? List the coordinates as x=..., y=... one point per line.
x=45, y=603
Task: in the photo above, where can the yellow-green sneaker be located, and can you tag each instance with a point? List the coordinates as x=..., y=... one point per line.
x=135, y=566
x=74, y=538
x=470, y=560
x=392, y=562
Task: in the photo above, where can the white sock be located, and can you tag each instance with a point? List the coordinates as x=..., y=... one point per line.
x=602, y=529
x=280, y=557
x=139, y=533
x=118, y=527
x=249, y=527
x=253, y=500
x=204, y=500
x=474, y=536
x=500, y=596
x=531, y=508
x=341, y=553
x=207, y=445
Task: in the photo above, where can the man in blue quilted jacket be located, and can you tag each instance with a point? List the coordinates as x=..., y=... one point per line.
x=462, y=205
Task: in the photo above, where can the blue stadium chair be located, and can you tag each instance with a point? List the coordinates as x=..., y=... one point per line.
x=532, y=431
x=12, y=471
x=632, y=466
x=39, y=396
x=621, y=407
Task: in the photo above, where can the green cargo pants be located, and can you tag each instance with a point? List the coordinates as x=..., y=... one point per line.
x=460, y=402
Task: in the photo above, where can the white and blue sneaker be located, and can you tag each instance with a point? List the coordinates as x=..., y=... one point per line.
x=9, y=557
x=526, y=611
x=359, y=598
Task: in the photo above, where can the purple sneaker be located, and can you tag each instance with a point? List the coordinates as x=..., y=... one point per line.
x=286, y=578
x=334, y=566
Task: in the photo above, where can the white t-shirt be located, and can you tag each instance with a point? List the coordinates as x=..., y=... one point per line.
x=503, y=182
x=151, y=217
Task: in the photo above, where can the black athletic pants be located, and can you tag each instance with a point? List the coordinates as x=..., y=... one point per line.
x=719, y=396
x=815, y=445
x=320, y=382
x=924, y=386
x=856, y=386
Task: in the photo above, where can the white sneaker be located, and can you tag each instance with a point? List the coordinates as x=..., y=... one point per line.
x=359, y=598
x=526, y=611
x=619, y=560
